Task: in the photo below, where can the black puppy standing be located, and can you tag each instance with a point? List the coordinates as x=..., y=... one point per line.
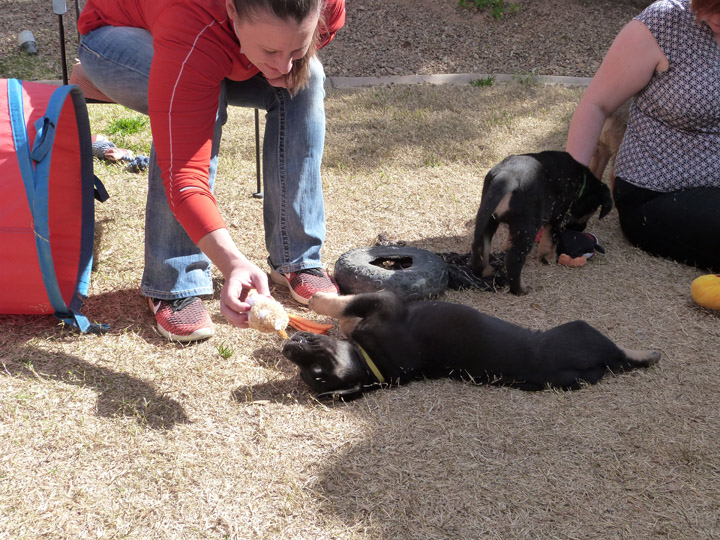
x=549, y=191
x=392, y=342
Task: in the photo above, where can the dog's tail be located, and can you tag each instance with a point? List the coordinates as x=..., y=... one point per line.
x=492, y=195
x=486, y=223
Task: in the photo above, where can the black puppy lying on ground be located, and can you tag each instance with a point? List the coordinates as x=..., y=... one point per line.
x=392, y=342
x=548, y=190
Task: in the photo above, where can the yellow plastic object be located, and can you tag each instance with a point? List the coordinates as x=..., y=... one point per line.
x=705, y=291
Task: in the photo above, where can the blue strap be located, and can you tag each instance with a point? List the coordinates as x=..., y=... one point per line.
x=36, y=180
x=45, y=135
x=19, y=131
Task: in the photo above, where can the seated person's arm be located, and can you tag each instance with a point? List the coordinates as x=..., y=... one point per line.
x=627, y=67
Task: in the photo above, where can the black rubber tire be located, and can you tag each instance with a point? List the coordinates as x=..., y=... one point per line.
x=411, y=273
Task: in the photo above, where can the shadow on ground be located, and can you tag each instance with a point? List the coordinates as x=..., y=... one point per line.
x=118, y=394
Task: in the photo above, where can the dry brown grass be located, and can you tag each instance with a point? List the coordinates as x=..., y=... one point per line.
x=127, y=436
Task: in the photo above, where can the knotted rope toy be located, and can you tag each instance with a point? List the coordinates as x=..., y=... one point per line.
x=106, y=150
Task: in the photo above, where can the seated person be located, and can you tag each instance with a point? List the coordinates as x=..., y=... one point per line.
x=667, y=187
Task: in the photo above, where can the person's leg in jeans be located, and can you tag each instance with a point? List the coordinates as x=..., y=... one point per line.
x=117, y=60
x=294, y=213
x=680, y=225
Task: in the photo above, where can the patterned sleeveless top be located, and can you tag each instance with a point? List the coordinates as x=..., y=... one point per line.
x=673, y=137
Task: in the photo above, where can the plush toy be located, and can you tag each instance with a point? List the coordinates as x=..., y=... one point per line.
x=705, y=290
x=268, y=315
x=576, y=248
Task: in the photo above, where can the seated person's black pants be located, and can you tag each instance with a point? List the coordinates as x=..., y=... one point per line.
x=680, y=225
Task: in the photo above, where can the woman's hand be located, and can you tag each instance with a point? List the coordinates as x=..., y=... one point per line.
x=238, y=283
x=240, y=276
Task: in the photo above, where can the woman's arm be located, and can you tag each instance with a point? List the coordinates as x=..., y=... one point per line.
x=240, y=275
x=626, y=69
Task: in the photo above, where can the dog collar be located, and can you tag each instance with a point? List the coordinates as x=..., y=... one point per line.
x=582, y=188
x=371, y=365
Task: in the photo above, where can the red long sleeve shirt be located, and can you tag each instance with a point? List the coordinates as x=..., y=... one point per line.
x=195, y=49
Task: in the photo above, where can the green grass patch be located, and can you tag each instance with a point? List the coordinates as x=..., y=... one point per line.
x=498, y=8
x=225, y=350
x=27, y=67
x=483, y=82
x=128, y=126
x=529, y=79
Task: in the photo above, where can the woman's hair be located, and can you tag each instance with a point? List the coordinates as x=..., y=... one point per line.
x=296, y=10
x=705, y=6
x=282, y=9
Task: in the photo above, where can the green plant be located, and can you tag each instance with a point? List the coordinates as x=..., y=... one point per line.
x=134, y=408
x=498, y=8
x=485, y=81
x=527, y=78
x=225, y=350
x=432, y=160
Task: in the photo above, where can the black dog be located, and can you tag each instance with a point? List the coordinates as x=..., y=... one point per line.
x=549, y=190
x=392, y=342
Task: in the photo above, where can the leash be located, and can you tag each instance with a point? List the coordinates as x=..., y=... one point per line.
x=371, y=365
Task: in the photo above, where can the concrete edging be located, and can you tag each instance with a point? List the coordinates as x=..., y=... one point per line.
x=438, y=79
x=442, y=79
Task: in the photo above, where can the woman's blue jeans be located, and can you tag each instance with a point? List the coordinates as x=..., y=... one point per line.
x=117, y=60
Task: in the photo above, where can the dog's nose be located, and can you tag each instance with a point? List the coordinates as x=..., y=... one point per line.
x=300, y=337
x=290, y=348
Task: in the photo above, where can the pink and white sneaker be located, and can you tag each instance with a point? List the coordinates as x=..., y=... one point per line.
x=303, y=284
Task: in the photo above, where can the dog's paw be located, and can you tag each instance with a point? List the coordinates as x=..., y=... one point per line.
x=520, y=291
x=328, y=304
x=315, y=301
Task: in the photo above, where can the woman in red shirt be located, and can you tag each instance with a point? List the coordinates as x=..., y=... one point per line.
x=182, y=63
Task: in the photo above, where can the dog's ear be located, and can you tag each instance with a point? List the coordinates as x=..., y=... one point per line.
x=600, y=194
x=607, y=202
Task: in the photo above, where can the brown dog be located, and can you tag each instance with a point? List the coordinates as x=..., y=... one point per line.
x=610, y=138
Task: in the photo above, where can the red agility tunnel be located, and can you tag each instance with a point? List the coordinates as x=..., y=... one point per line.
x=47, y=208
